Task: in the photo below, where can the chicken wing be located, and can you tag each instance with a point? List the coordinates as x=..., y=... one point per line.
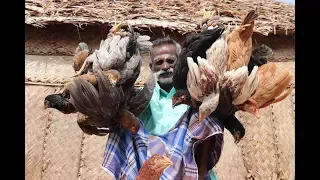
x=140, y=98
x=234, y=80
x=249, y=87
x=101, y=106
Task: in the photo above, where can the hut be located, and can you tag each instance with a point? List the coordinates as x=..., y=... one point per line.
x=56, y=148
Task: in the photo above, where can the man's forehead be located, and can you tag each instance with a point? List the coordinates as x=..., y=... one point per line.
x=165, y=48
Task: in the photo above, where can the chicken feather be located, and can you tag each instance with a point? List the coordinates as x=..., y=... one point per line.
x=271, y=89
x=240, y=42
x=234, y=80
x=217, y=54
x=249, y=87
x=202, y=83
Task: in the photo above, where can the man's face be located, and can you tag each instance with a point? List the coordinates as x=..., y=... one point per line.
x=164, y=55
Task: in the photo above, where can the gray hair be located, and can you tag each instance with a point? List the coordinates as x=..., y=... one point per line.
x=168, y=40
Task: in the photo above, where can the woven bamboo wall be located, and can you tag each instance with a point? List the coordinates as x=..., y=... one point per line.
x=57, y=149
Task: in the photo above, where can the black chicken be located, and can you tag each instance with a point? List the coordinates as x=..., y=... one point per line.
x=194, y=46
x=197, y=45
x=260, y=56
x=59, y=102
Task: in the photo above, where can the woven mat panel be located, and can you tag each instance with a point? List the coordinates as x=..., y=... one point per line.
x=283, y=117
x=36, y=119
x=62, y=147
x=258, y=145
x=231, y=164
x=57, y=41
x=92, y=157
x=58, y=69
x=63, y=39
x=283, y=47
x=48, y=69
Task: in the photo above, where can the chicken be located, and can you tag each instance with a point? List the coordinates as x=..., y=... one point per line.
x=240, y=42
x=103, y=107
x=105, y=97
x=260, y=56
x=203, y=86
x=80, y=55
x=271, y=89
x=194, y=46
x=59, y=102
x=118, y=51
x=153, y=167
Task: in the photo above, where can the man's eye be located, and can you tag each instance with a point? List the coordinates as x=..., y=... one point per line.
x=159, y=62
x=170, y=61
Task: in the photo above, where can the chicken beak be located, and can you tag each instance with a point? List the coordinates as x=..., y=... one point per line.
x=174, y=104
x=167, y=162
x=46, y=105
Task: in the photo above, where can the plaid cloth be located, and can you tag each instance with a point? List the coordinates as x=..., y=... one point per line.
x=125, y=153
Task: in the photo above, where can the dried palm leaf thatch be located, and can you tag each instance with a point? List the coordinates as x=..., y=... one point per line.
x=181, y=15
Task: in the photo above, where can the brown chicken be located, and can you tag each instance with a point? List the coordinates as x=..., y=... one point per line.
x=240, y=42
x=80, y=55
x=103, y=107
x=271, y=89
x=153, y=167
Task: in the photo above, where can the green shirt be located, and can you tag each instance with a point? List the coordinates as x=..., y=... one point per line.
x=159, y=117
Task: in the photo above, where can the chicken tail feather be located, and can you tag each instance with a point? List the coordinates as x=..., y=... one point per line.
x=251, y=16
x=278, y=99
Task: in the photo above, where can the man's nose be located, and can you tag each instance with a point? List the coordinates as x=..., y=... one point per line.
x=165, y=66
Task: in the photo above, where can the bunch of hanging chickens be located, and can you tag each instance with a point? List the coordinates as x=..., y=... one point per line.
x=216, y=72
x=102, y=91
x=222, y=74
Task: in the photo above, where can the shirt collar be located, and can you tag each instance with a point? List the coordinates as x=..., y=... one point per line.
x=164, y=94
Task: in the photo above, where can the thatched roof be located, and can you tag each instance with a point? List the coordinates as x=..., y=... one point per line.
x=180, y=15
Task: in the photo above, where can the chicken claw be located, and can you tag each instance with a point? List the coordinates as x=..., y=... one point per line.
x=236, y=135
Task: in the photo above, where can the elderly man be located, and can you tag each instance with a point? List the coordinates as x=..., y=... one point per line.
x=174, y=132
